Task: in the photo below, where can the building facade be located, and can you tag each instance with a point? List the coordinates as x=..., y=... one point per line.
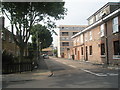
x=7, y=42
x=65, y=41
x=100, y=41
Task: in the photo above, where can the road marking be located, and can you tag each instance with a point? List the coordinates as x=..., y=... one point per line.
x=64, y=63
x=100, y=74
x=72, y=66
x=113, y=74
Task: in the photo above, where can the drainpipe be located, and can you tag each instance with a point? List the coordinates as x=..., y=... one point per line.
x=84, y=47
x=106, y=42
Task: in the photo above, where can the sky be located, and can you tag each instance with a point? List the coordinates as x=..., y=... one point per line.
x=79, y=11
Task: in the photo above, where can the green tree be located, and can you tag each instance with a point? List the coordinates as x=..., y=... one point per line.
x=40, y=34
x=23, y=15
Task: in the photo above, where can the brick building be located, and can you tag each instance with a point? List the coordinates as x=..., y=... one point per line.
x=100, y=41
x=8, y=43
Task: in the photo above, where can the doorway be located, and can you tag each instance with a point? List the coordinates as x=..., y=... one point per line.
x=86, y=54
x=78, y=55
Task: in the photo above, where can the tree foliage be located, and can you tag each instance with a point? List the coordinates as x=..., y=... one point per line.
x=23, y=15
x=40, y=34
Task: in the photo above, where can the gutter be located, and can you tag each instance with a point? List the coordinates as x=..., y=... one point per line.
x=96, y=23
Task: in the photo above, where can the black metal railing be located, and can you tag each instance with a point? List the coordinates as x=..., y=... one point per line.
x=16, y=67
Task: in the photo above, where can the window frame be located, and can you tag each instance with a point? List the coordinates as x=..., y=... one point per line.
x=116, y=49
x=115, y=24
x=65, y=34
x=102, y=50
x=65, y=44
x=90, y=35
x=102, y=30
x=90, y=50
x=82, y=51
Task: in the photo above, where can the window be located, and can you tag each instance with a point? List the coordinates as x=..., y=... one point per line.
x=86, y=37
x=90, y=33
x=91, y=20
x=90, y=50
x=66, y=28
x=103, y=49
x=65, y=43
x=102, y=28
x=115, y=25
x=81, y=50
x=116, y=47
x=64, y=33
x=97, y=17
x=81, y=37
x=75, y=51
x=74, y=33
x=65, y=38
x=62, y=27
x=78, y=40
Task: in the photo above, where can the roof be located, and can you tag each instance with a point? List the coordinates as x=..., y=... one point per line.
x=73, y=26
x=109, y=3
x=98, y=22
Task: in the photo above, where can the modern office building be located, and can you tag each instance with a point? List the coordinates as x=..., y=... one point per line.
x=65, y=33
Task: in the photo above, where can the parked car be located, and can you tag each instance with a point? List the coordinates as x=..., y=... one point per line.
x=45, y=56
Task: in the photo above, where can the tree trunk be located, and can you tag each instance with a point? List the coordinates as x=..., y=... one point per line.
x=21, y=58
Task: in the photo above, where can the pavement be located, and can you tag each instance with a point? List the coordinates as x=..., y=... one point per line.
x=42, y=71
x=113, y=67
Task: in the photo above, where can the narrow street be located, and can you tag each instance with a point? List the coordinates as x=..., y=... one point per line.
x=71, y=74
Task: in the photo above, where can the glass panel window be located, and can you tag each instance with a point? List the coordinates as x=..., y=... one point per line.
x=90, y=33
x=90, y=50
x=115, y=25
x=116, y=47
x=64, y=33
x=91, y=20
x=86, y=37
x=81, y=50
x=65, y=38
x=102, y=28
x=74, y=33
x=65, y=43
x=81, y=38
x=62, y=27
x=75, y=51
x=97, y=17
x=103, y=49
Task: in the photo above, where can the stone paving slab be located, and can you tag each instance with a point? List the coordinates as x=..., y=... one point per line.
x=87, y=64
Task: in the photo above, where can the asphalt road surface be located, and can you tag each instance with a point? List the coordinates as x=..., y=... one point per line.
x=71, y=74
